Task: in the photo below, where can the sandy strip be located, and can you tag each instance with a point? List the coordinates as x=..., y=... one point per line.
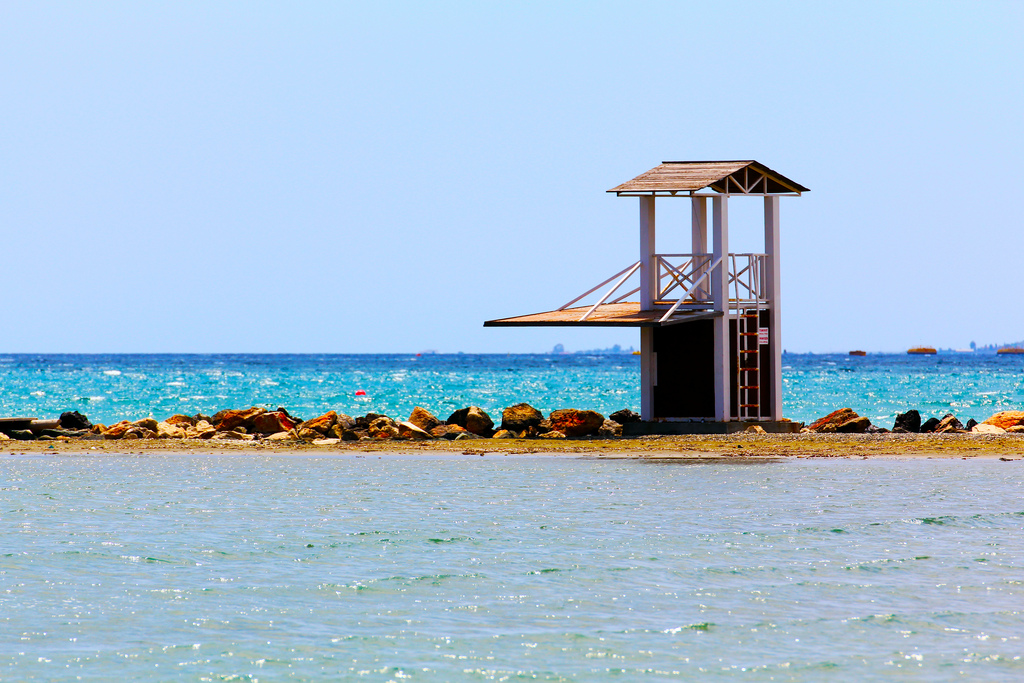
x=650, y=447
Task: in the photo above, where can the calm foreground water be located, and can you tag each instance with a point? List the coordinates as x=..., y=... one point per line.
x=246, y=568
x=109, y=388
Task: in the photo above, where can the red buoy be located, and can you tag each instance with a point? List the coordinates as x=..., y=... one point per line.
x=360, y=392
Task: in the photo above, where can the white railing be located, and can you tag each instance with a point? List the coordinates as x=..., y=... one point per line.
x=687, y=278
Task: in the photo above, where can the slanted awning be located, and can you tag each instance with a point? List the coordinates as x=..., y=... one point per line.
x=726, y=177
x=625, y=314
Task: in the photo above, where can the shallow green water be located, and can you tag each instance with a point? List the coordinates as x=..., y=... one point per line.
x=473, y=568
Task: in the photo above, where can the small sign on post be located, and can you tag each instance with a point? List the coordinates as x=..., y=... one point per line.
x=762, y=335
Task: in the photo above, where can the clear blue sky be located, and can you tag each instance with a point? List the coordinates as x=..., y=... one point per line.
x=377, y=177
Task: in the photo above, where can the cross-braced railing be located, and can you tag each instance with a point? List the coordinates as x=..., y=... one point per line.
x=687, y=277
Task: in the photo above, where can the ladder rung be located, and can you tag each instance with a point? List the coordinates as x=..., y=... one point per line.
x=749, y=386
x=748, y=334
x=748, y=351
x=750, y=405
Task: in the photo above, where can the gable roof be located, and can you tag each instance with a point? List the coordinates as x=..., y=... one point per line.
x=727, y=177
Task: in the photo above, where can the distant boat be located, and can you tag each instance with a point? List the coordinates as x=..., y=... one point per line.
x=1011, y=349
x=858, y=353
x=923, y=350
x=636, y=353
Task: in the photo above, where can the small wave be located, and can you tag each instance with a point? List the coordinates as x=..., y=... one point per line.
x=112, y=373
x=95, y=399
x=38, y=393
x=175, y=384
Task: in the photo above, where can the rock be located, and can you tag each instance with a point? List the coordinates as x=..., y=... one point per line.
x=553, y=434
x=117, y=431
x=929, y=425
x=4, y=437
x=350, y=435
x=504, y=434
x=383, y=428
x=755, y=429
x=873, y=429
x=271, y=423
x=165, y=430
x=520, y=417
x=624, y=416
x=857, y=425
x=832, y=420
x=423, y=419
x=610, y=428
x=467, y=435
x=202, y=430
x=1006, y=419
x=22, y=434
x=146, y=423
x=326, y=442
x=231, y=435
x=572, y=422
x=345, y=421
x=909, y=421
x=407, y=430
x=283, y=436
x=479, y=422
x=364, y=422
x=321, y=424
x=970, y=424
x=948, y=424
x=983, y=428
x=447, y=431
x=181, y=421
x=74, y=420
x=1016, y=429
x=473, y=419
x=226, y=420
x=199, y=417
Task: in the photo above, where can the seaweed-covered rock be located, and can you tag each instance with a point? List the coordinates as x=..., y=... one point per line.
x=572, y=422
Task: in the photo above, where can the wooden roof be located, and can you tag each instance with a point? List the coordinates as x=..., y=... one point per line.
x=626, y=314
x=732, y=177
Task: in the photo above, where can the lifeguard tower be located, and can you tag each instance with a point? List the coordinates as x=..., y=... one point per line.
x=710, y=321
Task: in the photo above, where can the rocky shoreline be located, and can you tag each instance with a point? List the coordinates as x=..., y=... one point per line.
x=521, y=421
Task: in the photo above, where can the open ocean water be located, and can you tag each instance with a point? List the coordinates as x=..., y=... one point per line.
x=428, y=568
x=109, y=388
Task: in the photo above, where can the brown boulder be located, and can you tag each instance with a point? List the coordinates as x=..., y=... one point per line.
x=117, y=431
x=227, y=420
x=147, y=423
x=271, y=423
x=164, y=430
x=323, y=423
x=572, y=422
x=447, y=431
x=520, y=417
x=553, y=434
x=473, y=419
x=857, y=425
x=180, y=421
x=949, y=425
x=423, y=418
x=407, y=430
x=1006, y=419
x=383, y=428
x=830, y=422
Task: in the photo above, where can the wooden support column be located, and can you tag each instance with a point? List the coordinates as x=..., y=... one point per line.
x=648, y=293
x=720, y=294
x=773, y=292
x=699, y=238
x=648, y=274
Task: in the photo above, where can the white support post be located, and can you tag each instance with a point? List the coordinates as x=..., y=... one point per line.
x=720, y=294
x=648, y=373
x=699, y=237
x=648, y=267
x=648, y=292
x=773, y=291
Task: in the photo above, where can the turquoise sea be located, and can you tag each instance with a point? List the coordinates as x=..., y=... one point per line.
x=496, y=568
x=109, y=388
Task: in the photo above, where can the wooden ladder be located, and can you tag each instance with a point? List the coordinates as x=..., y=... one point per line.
x=748, y=363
